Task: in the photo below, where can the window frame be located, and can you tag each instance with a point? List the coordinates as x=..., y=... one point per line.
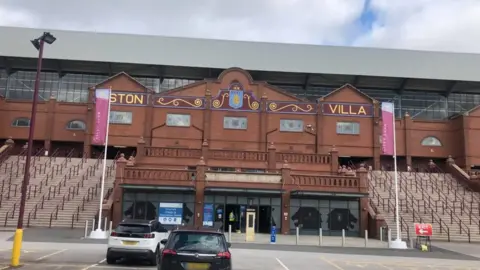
x=431, y=145
x=67, y=127
x=182, y=114
x=354, y=123
x=233, y=128
x=14, y=123
x=294, y=131
x=117, y=123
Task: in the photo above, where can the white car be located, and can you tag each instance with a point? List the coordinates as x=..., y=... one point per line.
x=136, y=239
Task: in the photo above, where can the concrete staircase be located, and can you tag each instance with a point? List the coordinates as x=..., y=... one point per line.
x=78, y=200
x=426, y=198
x=45, y=174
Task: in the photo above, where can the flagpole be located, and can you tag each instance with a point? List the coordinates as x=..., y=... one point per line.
x=102, y=189
x=395, y=170
x=398, y=243
x=99, y=233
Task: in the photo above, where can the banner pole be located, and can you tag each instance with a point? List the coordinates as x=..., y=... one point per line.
x=395, y=170
x=102, y=189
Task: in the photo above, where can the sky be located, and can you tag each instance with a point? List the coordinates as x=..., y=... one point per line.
x=439, y=25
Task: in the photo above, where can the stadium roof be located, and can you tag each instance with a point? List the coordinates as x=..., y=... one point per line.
x=193, y=58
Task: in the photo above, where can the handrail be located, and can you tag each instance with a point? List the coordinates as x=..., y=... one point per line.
x=435, y=218
x=446, y=200
x=474, y=196
x=390, y=207
x=74, y=189
x=92, y=192
x=55, y=171
x=55, y=190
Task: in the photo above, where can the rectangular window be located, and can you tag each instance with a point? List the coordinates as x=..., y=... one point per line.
x=178, y=120
x=291, y=125
x=117, y=117
x=234, y=122
x=350, y=128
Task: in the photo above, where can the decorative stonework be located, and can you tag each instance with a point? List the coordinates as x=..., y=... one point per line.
x=179, y=102
x=291, y=107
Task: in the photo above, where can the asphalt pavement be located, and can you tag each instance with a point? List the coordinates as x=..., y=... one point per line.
x=64, y=256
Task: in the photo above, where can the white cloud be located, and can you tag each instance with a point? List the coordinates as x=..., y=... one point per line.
x=450, y=25
x=446, y=25
x=299, y=21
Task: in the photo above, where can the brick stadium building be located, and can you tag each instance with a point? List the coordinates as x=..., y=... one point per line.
x=238, y=125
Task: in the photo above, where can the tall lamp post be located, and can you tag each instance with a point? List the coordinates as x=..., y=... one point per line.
x=38, y=43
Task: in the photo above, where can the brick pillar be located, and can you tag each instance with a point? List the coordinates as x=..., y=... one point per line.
x=318, y=130
x=205, y=150
x=117, y=190
x=148, y=124
x=50, y=122
x=263, y=124
x=87, y=143
x=207, y=115
x=285, y=214
x=377, y=132
x=199, y=192
x=408, y=143
x=140, y=148
x=272, y=158
x=362, y=174
x=334, y=160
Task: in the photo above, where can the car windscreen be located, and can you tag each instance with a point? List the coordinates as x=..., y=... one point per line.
x=132, y=230
x=203, y=242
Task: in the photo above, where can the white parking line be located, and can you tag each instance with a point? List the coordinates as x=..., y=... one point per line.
x=51, y=254
x=334, y=265
x=282, y=264
x=94, y=265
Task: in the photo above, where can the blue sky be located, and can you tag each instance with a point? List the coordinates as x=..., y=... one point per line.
x=444, y=25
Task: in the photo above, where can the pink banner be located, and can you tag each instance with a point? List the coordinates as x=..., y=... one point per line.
x=388, y=128
x=102, y=99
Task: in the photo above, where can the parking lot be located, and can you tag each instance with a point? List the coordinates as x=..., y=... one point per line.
x=91, y=256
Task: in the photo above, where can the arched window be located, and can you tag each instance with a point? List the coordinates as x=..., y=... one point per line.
x=431, y=141
x=21, y=122
x=76, y=125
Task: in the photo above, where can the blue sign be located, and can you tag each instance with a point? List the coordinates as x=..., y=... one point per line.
x=235, y=99
x=273, y=235
x=208, y=214
x=170, y=213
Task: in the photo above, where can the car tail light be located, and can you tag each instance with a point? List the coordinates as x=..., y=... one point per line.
x=113, y=234
x=224, y=255
x=148, y=235
x=169, y=252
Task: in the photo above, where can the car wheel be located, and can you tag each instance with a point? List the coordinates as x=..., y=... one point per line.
x=111, y=260
x=153, y=259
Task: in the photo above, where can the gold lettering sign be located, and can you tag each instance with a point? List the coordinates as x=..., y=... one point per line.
x=340, y=109
x=128, y=99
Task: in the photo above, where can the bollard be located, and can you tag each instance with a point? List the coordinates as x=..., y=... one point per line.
x=105, y=224
x=230, y=233
x=93, y=224
x=297, y=232
x=381, y=234
x=343, y=237
x=389, y=236
x=366, y=238
x=320, y=237
x=110, y=227
x=86, y=229
x=411, y=242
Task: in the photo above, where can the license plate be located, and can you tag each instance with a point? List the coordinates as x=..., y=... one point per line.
x=197, y=266
x=129, y=243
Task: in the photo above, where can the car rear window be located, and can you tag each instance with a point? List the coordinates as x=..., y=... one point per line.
x=197, y=242
x=133, y=228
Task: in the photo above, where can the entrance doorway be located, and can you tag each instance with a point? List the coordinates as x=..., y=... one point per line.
x=232, y=217
x=264, y=219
